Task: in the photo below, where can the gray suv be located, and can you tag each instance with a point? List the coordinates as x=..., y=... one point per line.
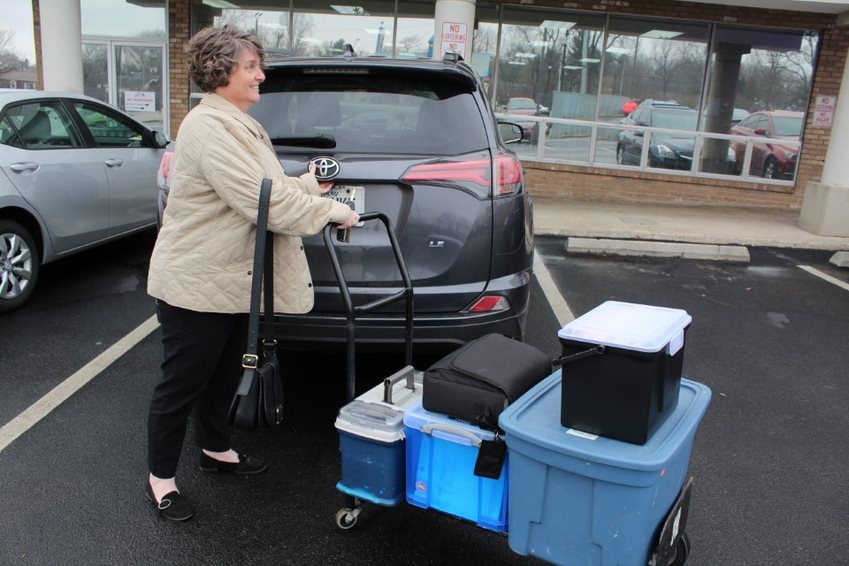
x=417, y=141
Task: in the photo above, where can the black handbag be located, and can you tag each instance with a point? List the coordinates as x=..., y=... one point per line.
x=258, y=402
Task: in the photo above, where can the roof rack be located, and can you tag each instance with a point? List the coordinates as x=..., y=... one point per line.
x=452, y=57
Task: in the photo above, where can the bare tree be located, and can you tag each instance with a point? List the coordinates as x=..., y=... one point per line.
x=485, y=38
x=8, y=59
x=412, y=44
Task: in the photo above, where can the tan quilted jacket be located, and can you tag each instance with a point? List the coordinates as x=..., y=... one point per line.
x=203, y=255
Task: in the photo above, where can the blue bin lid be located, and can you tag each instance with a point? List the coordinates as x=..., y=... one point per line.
x=642, y=328
x=534, y=418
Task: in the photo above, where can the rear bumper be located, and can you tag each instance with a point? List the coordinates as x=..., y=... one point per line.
x=434, y=331
x=380, y=332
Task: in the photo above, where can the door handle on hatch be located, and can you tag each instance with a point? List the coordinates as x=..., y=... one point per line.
x=114, y=162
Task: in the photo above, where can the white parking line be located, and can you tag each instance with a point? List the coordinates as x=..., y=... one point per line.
x=555, y=299
x=41, y=408
x=825, y=276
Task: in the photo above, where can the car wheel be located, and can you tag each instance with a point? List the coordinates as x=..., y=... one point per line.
x=620, y=155
x=534, y=139
x=18, y=265
x=770, y=168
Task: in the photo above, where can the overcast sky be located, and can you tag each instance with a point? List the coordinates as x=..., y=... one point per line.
x=17, y=17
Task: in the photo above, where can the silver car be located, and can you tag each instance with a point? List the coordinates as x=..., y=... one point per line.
x=76, y=173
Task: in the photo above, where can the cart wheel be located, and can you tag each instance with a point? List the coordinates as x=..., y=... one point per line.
x=682, y=550
x=346, y=518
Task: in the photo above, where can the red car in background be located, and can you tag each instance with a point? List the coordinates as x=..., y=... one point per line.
x=770, y=160
x=526, y=107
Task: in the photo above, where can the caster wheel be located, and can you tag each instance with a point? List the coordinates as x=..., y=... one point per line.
x=346, y=519
x=682, y=550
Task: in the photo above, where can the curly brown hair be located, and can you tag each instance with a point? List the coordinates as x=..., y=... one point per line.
x=213, y=52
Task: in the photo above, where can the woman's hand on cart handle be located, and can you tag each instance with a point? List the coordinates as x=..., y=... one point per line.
x=352, y=221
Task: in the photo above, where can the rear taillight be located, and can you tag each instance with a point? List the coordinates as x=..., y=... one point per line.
x=475, y=171
x=508, y=173
x=490, y=303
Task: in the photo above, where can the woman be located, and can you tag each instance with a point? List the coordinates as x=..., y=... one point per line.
x=200, y=270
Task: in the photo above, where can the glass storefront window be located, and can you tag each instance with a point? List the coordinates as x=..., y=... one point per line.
x=95, y=71
x=759, y=80
x=485, y=46
x=552, y=59
x=271, y=26
x=415, y=29
x=325, y=29
x=123, y=19
x=652, y=59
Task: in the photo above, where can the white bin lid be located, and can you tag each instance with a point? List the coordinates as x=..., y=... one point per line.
x=643, y=328
x=371, y=420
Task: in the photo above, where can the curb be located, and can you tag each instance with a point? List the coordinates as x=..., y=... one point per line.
x=715, y=252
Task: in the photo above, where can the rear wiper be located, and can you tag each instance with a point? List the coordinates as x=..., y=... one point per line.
x=320, y=141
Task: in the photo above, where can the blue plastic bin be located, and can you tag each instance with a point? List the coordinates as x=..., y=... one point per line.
x=441, y=455
x=586, y=499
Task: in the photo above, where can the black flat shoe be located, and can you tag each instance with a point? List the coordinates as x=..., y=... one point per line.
x=246, y=465
x=172, y=506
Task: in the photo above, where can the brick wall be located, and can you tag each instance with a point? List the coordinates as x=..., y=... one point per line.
x=178, y=80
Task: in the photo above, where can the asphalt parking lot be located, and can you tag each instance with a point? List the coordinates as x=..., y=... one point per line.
x=769, y=460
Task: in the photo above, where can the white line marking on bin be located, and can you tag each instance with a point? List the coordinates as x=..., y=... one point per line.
x=825, y=276
x=552, y=294
x=59, y=394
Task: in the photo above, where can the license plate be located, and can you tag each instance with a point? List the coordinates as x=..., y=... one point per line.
x=669, y=543
x=349, y=195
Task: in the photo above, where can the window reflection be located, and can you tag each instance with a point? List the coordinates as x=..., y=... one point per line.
x=758, y=78
x=554, y=70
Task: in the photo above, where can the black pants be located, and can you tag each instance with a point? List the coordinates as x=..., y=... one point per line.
x=201, y=368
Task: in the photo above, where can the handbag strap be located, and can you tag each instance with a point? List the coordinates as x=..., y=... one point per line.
x=263, y=261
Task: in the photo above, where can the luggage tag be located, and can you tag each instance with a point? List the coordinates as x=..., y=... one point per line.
x=491, y=456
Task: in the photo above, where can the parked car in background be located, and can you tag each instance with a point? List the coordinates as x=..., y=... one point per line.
x=668, y=150
x=417, y=141
x=770, y=160
x=738, y=115
x=76, y=173
x=522, y=106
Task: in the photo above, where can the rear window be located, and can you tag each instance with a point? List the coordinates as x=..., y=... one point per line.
x=375, y=112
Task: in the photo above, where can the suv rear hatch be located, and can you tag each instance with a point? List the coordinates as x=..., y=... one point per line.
x=409, y=142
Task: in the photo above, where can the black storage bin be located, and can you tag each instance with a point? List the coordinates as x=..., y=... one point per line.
x=631, y=384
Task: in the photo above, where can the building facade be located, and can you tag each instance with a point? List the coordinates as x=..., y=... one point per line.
x=663, y=101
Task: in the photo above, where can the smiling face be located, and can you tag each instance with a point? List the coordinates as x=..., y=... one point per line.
x=243, y=89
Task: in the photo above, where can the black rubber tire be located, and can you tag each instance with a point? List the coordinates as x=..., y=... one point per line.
x=11, y=231
x=682, y=551
x=770, y=168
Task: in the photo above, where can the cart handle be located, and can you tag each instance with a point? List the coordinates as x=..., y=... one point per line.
x=352, y=311
x=405, y=372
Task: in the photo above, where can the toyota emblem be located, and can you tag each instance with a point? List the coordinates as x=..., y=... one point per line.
x=326, y=168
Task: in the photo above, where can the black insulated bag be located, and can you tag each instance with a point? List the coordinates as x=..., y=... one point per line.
x=479, y=380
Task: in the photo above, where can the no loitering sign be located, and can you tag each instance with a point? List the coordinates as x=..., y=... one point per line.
x=824, y=111
x=454, y=38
